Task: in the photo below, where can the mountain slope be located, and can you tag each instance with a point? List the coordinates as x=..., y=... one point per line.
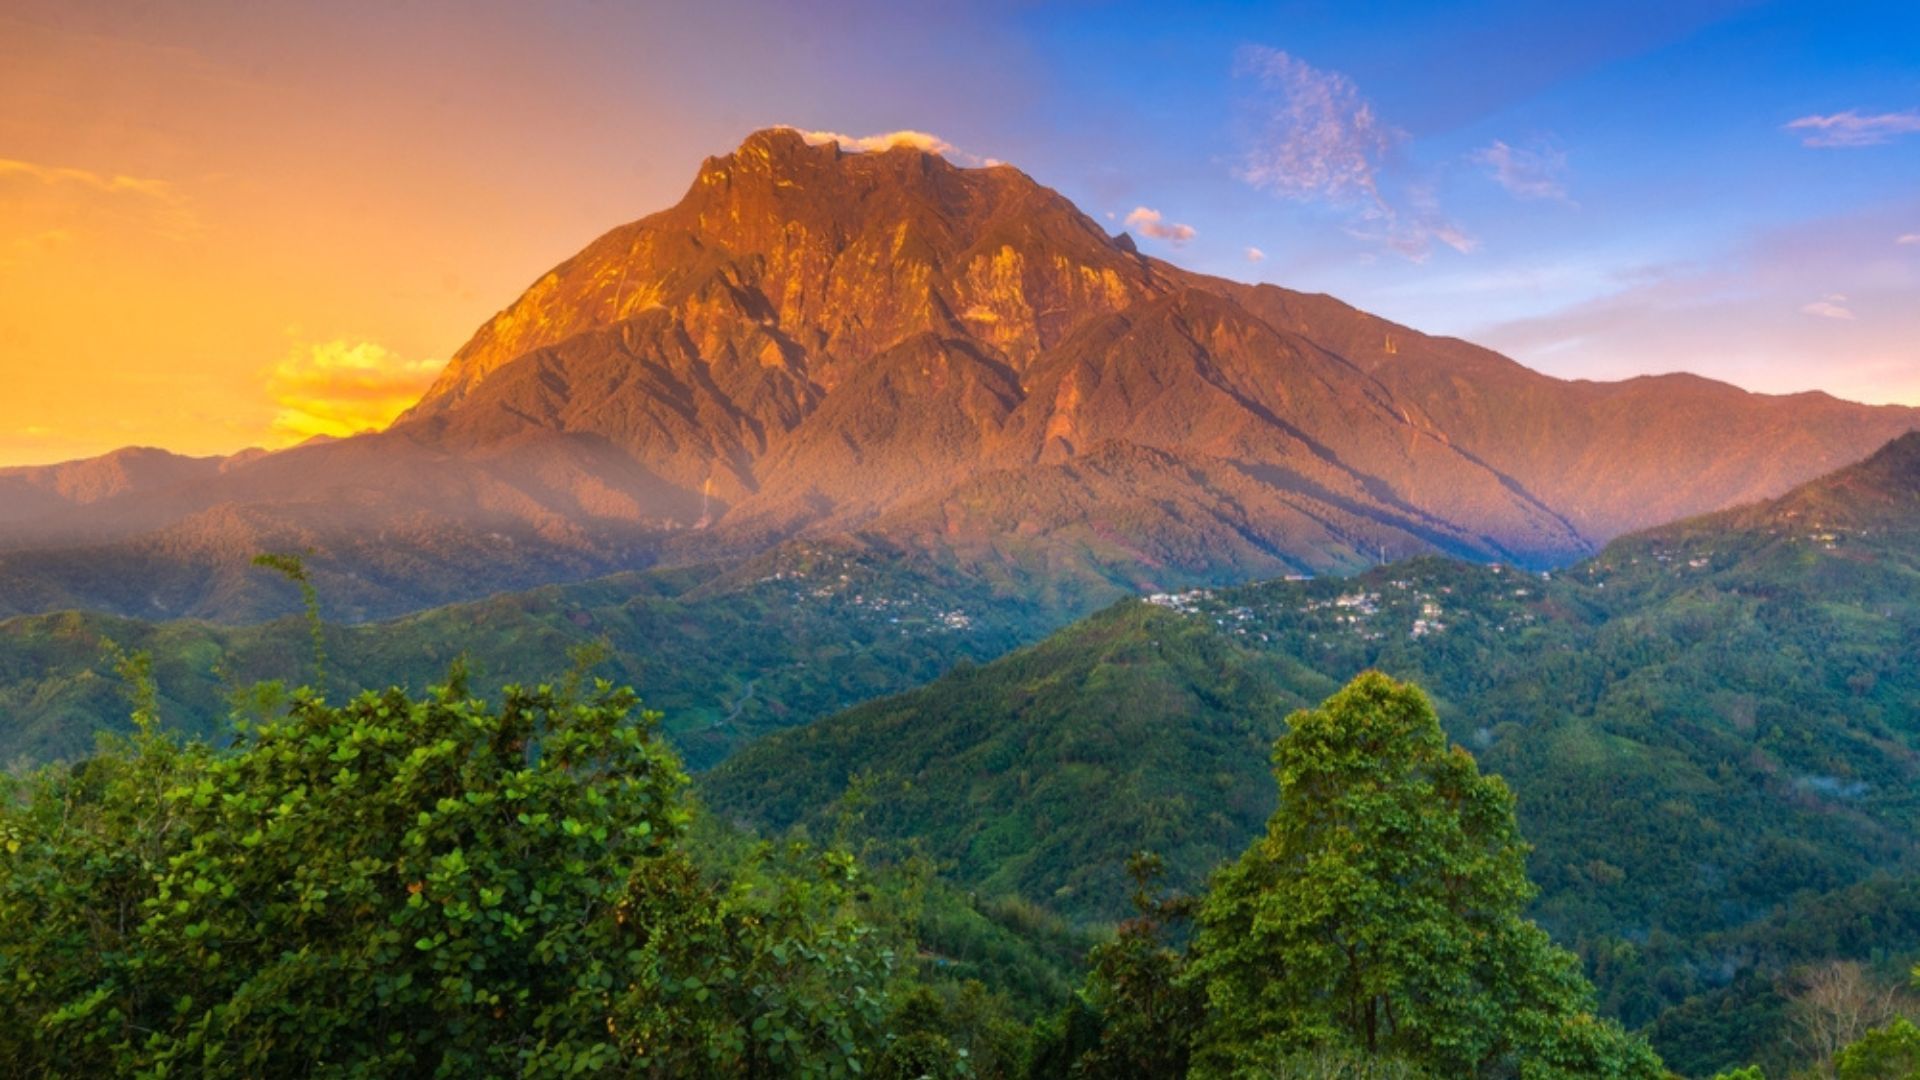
x=1707, y=725
x=727, y=653
x=814, y=342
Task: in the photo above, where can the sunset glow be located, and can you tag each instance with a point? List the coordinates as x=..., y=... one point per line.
x=191, y=195
x=340, y=388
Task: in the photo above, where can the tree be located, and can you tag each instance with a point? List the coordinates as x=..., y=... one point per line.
x=1136, y=1016
x=1887, y=1053
x=406, y=887
x=1835, y=1005
x=1381, y=913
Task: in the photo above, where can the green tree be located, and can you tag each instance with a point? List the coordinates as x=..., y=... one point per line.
x=413, y=887
x=1136, y=1016
x=1381, y=912
x=1886, y=1053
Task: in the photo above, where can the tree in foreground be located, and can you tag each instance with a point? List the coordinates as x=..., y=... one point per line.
x=1381, y=915
x=414, y=887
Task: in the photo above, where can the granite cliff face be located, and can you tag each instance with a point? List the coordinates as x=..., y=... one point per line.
x=817, y=342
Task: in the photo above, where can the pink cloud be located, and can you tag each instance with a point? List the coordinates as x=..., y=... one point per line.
x=1149, y=222
x=1833, y=306
x=1318, y=139
x=1528, y=174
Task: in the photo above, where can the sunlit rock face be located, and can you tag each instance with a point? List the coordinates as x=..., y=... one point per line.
x=837, y=335
x=953, y=360
x=787, y=273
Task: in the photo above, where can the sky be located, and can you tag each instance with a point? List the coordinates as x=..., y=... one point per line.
x=229, y=224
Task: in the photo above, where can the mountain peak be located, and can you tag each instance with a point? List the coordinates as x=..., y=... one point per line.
x=777, y=149
x=787, y=139
x=835, y=249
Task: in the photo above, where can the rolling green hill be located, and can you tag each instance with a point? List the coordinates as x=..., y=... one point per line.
x=727, y=652
x=1711, y=728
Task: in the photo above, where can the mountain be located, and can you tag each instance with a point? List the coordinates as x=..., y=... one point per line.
x=1712, y=729
x=817, y=343
x=39, y=492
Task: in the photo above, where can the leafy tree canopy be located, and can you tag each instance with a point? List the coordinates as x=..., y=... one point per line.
x=1381, y=912
x=415, y=887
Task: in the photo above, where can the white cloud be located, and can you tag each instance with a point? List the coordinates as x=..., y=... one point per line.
x=1150, y=223
x=1908, y=238
x=873, y=144
x=1318, y=139
x=1850, y=129
x=1832, y=306
x=1254, y=254
x=1527, y=173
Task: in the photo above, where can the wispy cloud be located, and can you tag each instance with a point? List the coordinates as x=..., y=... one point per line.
x=1150, y=223
x=42, y=207
x=1321, y=138
x=887, y=140
x=1850, y=129
x=1907, y=238
x=23, y=249
x=1316, y=138
x=1254, y=254
x=341, y=388
x=1528, y=173
x=105, y=183
x=1831, y=306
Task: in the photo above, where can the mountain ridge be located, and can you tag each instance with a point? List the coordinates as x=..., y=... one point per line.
x=815, y=342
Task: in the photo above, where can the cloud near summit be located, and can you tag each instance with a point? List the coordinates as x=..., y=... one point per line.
x=873, y=144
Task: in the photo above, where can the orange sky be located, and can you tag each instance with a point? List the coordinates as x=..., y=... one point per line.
x=237, y=243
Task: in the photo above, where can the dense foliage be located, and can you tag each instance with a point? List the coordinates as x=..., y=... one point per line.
x=1375, y=930
x=401, y=886
x=397, y=886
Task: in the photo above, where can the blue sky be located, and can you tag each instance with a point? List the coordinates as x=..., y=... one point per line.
x=202, y=202
x=1601, y=189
